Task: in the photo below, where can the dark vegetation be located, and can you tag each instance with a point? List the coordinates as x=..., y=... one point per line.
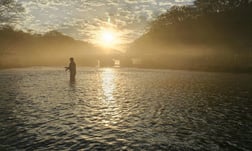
x=213, y=35
x=19, y=49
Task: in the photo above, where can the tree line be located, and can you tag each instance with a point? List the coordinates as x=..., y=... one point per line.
x=209, y=35
x=22, y=49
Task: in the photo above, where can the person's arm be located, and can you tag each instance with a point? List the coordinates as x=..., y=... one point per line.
x=66, y=68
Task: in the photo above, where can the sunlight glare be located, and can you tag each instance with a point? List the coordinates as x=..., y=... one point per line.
x=108, y=38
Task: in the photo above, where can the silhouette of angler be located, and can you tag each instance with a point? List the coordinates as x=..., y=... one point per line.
x=72, y=69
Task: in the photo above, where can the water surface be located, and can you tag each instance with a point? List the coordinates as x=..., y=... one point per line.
x=124, y=109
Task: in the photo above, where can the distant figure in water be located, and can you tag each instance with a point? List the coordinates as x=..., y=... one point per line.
x=72, y=69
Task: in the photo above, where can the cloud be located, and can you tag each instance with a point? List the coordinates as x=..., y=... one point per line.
x=81, y=19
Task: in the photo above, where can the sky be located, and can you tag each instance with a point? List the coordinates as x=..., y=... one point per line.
x=95, y=21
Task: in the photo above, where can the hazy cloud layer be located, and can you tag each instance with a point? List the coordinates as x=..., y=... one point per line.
x=82, y=19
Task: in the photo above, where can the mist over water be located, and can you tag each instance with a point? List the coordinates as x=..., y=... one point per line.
x=124, y=109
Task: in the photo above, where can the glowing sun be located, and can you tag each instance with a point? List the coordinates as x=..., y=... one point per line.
x=108, y=38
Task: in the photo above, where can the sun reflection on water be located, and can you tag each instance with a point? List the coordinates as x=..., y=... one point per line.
x=108, y=83
x=110, y=111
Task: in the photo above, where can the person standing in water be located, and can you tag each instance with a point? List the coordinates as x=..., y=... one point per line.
x=72, y=69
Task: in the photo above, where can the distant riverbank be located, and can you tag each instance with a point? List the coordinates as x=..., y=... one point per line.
x=206, y=69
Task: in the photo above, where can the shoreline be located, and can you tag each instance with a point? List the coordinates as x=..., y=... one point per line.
x=219, y=70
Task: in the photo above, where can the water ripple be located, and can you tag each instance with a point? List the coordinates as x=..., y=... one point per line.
x=124, y=109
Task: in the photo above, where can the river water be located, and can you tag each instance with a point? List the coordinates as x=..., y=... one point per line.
x=124, y=109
